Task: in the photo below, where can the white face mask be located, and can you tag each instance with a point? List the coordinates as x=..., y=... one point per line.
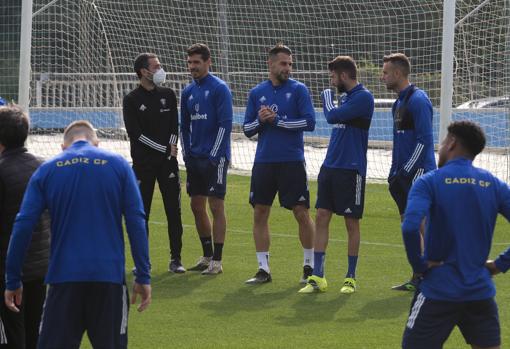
x=159, y=77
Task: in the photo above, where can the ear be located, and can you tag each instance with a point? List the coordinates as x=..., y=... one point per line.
x=452, y=143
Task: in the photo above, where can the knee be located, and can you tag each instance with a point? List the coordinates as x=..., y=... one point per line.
x=197, y=208
x=261, y=213
x=352, y=227
x=302, y=215
x=217, y=207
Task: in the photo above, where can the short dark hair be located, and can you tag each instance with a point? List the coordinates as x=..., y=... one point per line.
x=199, y=49
x=279, y=48
x=77, y=129
x=142, y=61
x=344, y=64
x=14, y=126
x=469, y=134
x=401, y=61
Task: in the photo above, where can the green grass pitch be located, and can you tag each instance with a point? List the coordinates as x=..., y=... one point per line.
x=195, y=311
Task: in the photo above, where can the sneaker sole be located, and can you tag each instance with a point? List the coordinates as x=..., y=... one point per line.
x=312, y=290
x=248, y=282
x=347, y=291
x=176, y=271
x=198, y=268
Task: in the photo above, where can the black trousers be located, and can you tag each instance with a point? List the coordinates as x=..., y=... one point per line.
x=22, y=329
x=166, y=172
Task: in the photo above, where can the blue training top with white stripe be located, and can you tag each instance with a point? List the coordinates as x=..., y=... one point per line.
x=351, y=120
x=413, y=148
x=282, y=140
x=86, y=190
x=461, y=203
x=206, y=119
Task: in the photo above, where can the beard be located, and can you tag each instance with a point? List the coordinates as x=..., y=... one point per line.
x=282, y=76
x=341, y=88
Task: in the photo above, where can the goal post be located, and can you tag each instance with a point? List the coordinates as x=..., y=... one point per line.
x=79, y=62
x=25, y=50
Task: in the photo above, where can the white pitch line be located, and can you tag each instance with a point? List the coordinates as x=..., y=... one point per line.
x=241, y=231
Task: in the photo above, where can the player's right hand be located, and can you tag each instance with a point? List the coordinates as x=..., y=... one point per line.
x=145, y=292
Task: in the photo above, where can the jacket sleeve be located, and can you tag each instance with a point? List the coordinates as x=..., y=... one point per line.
x=185, y=126
x=306, y=121
x=32, y=206
x=134, y=216
x=503, y=260
x=134, y=129
x=359, y=106
x=223, y=104
x=421, y=109
x=251, y=124
x=174, y=122
x=418, y=206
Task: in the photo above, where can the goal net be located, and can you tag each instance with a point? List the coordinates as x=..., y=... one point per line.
x=83, y=51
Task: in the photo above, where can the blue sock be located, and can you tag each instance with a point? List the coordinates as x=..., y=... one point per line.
x=318, y=260
x=351, y=271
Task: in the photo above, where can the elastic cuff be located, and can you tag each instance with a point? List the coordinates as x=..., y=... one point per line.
x=12, y=285
x=502, y=266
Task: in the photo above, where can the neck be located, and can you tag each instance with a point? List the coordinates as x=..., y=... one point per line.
x=351, y=84
x=403, y=85
x=2, y=148
x=275, y=81
x=198, y=78
x=147, y=84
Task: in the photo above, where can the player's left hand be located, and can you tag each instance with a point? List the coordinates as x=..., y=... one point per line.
x=493, y=269
x=13, y=299
x=266, y=114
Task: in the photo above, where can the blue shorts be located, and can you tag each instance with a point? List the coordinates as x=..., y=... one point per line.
x=341, y=191
x=287, y=178
x=203, y=177
x=400, y=186
x=72, y=308
x=431, y=322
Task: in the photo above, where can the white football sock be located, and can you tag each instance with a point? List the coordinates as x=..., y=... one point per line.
x=263, y=259
x=308, y=256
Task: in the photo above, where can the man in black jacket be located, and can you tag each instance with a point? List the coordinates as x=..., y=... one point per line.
x=16, y=168
x=151, y=120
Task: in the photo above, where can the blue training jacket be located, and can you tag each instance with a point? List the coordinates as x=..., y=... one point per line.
x=413, y=142
x=351, y=120
x=87, y=190
x=461, y=203
x=281, y=141
x=206, y=119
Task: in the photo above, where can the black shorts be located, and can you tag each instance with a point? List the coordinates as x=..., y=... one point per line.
x=206, y=178
x=341, y=191
x=431, y=322
x=400, y=186
x=72, y=308
x=287, y=178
